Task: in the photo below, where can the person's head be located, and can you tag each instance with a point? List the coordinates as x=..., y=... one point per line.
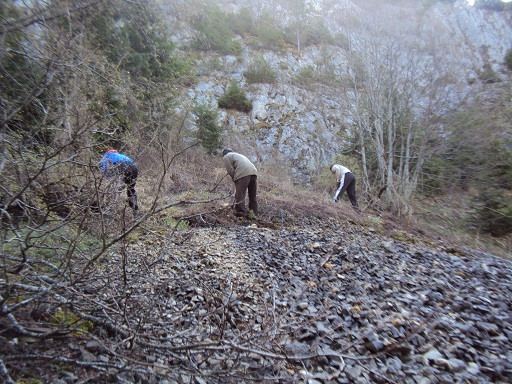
x=332, y=169
x=226, y=151
x=112, y=151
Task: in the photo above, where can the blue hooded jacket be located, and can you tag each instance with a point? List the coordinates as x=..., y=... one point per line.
x=111, y=163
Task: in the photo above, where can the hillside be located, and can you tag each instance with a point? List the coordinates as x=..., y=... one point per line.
x=413, y=96
x=315, y=103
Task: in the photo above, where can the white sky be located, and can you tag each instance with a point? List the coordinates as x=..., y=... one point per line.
x=472, y=2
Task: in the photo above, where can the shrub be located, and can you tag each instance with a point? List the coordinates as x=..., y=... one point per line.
x=309, y=75
x=309, y=34
x=214, y=33
x=260, y=72
x=433, y=180
x=500, y=165
x=306, y=75
x=494, y=5
x=494, y=213
x=242, y=22
x=508, y=59
x=270, y=36
x=488, y=75
x=267, y=31
x=208, y=130
x=235, y=98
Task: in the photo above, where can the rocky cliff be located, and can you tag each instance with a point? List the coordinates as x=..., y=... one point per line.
x=305, y=126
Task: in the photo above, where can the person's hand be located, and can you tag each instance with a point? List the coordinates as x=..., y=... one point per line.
x=334, y=200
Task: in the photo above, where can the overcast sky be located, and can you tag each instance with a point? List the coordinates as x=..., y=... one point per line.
x=471, y=2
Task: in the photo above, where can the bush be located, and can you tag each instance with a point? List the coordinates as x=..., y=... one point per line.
x=234, y=98
x=309, y=75
x=508, y=58
x=208, y=130
x=267, y=31
x=494, y=5
x=260, y=72
x=270, y=36
x=242, y=23
x=500, y=165
x=494, y=213
x=488, y=75
x=309, y=34
x=214, y=33
x=434, y=179
x=306, y=75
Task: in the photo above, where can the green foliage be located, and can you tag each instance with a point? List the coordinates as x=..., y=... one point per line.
x=306, y=75
x=341, y=40
x=318, y=34
x=242, y=22
x=106, y=100
x=487, y=75
x=269, y=33
x=67, y=319
x=508, y=59
x=214, y=32
x=50, y=245
x=471, y=138
x=434, y=179
x=209, y=132
x=467, y=149
x=235, y=98
x=309, y=34
x=136, y=71
x=309, y=75
x=21, y=72
x=500, y=168
x=494, y=213
x=135, y=39
x=351, y=162
x=214, y=64
x=260, y=71
x=494, y=5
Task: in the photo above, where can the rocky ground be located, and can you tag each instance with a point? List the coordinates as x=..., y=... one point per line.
x=308, y=301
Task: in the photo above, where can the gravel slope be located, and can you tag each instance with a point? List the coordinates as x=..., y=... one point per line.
x=313, y=301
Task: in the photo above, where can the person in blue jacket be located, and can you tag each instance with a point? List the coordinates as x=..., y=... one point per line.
x=113, y=164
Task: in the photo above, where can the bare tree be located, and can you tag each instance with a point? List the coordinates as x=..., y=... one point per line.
x=399, y=82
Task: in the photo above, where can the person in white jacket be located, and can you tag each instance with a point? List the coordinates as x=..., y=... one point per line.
x=345, y=181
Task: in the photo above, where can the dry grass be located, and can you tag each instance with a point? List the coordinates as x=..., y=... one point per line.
x=194, y=176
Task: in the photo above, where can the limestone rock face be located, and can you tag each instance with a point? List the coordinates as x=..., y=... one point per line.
x=305, y=125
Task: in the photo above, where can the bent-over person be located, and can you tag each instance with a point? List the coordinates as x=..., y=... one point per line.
x=345, y=181
x=245, y=176
x=113, y=164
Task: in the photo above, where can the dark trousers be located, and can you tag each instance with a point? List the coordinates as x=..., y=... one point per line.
x=130, y=174
x=242, y=186
x=349, y=185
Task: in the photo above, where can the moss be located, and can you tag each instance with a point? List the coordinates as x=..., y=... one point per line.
x=404, y=237
x=67, y=319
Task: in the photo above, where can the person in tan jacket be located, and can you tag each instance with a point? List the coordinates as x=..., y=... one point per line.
x=245, y=176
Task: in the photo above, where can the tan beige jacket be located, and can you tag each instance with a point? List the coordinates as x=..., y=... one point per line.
x=238, y=166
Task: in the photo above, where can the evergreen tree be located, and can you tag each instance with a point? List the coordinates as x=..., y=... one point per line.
x=235, y=98
x=208, y=129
